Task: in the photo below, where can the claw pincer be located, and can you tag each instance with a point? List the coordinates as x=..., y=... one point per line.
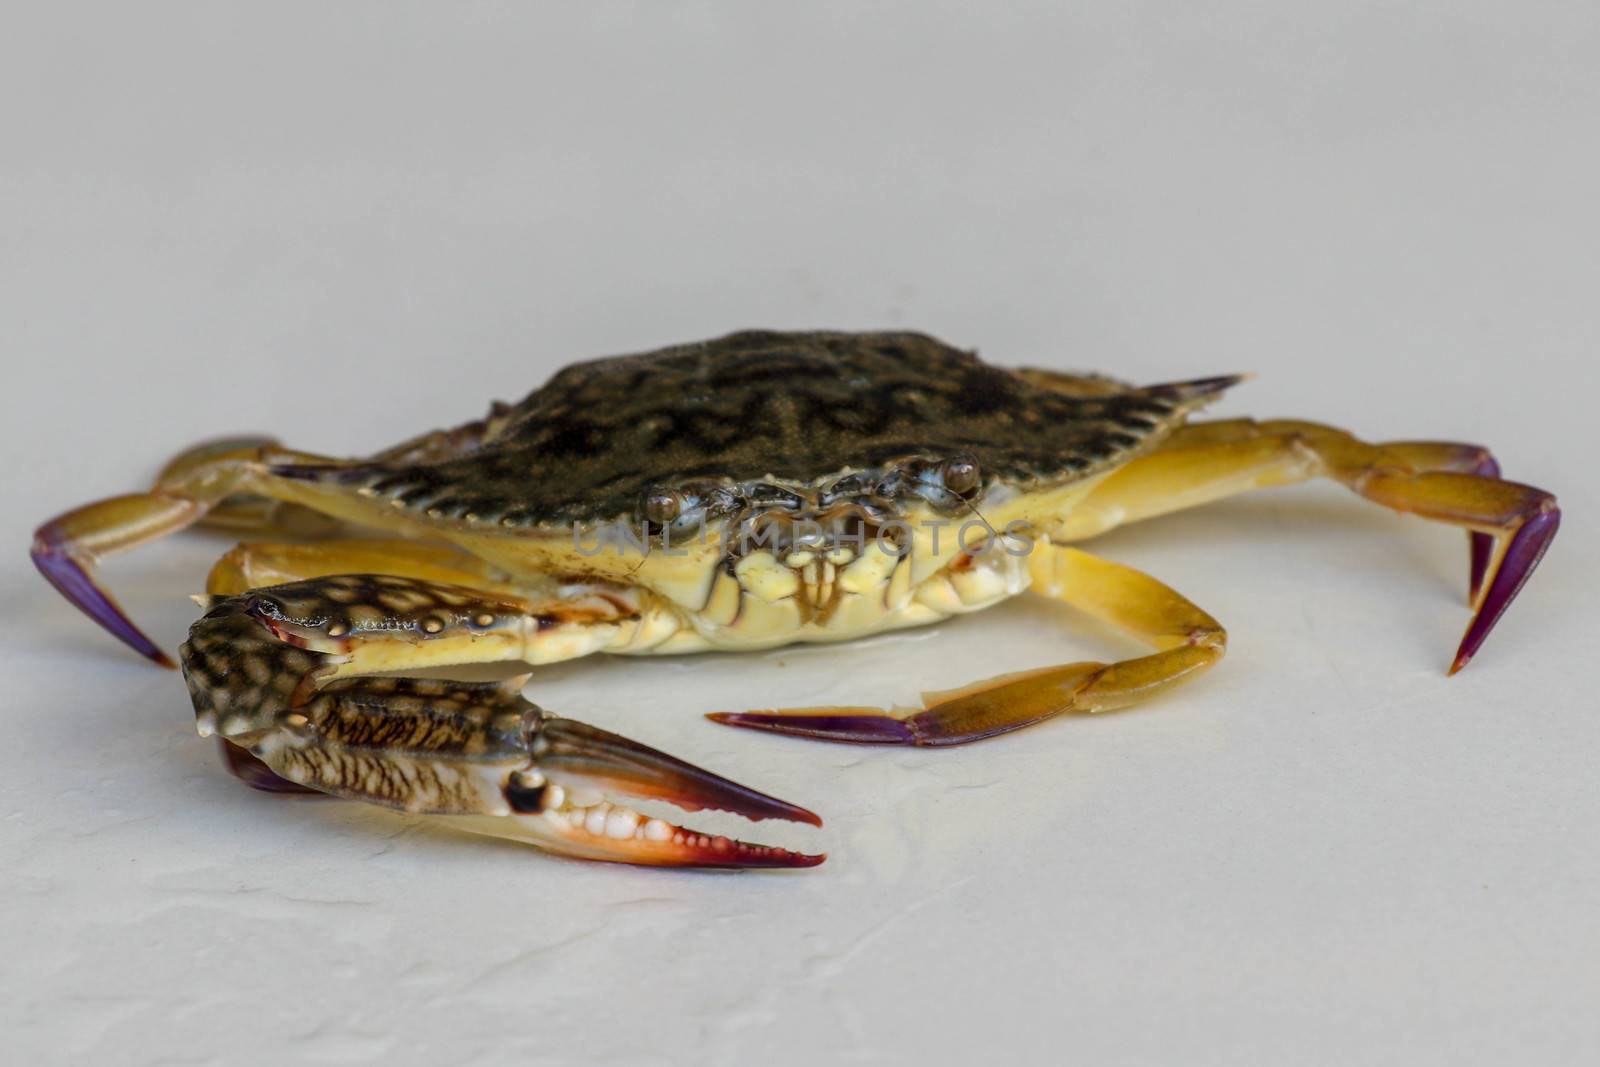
x=262, y=669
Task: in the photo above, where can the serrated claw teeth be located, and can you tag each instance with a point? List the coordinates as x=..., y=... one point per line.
x=567, y=799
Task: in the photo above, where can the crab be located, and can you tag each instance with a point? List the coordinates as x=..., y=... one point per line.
x=735, y=494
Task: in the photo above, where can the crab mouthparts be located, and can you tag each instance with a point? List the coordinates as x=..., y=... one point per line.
x=568, y=799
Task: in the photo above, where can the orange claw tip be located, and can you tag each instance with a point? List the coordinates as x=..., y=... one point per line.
x=72, y=581
x=724, y=852
x=569, y=799
x=554, y=819
x=689, y=848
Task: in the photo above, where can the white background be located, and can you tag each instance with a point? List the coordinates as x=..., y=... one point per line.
x=348, y=223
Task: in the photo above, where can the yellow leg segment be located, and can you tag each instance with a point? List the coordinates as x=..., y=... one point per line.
x=256, y=565
x=1188, y=641
x=208, y=477
x=242, y=511
x=1510, y=525
x=231, y=484
x=1208, y=461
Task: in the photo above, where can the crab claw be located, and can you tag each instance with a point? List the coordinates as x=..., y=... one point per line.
x=565, y=801
x=478, y=755
x=575, y=751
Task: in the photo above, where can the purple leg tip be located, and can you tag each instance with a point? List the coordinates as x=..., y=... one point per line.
x=1522, y=557
x=74, y=583
x=857, y=729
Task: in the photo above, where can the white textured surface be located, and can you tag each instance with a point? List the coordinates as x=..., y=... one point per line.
x=345, y=225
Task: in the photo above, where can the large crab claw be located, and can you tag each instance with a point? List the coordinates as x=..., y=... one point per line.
x=264, y=671
x=568, y=800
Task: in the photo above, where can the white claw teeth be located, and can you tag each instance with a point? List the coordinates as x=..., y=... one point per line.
x=603, y=818
x=621, y=823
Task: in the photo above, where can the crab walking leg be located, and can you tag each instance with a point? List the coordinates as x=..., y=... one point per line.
x=1260, y=447
x=245, y=512
x=287, y=673
x=1423, y=456
x=66, y=548
x=1511, y=525
x=1187, y=639
x=258, y=564
x=254, y=512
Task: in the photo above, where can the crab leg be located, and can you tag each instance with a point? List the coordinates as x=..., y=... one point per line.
x=1510, y=525
x=244, y=511
x=289, y=674
x=212, y=477
x=254, y=565
x=1189, y=641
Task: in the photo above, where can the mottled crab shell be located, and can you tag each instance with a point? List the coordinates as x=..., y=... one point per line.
x=792, y=408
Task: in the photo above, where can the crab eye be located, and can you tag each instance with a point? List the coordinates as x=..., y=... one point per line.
x=960, y=475
x=661, y=505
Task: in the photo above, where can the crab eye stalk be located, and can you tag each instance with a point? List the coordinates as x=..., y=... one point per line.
x=662, y=506
x=961, y=475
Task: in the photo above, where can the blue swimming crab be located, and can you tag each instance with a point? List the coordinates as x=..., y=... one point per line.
x=736, y=494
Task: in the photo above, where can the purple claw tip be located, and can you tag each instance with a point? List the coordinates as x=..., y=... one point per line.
x=1203, y=387
x=74, y=583
x=1522, y=557
x=857, y=729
